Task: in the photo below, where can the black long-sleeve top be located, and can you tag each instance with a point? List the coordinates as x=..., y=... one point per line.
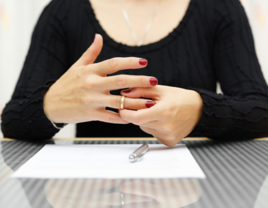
x=213, y=43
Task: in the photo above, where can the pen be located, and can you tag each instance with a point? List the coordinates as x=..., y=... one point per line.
x=138, y=154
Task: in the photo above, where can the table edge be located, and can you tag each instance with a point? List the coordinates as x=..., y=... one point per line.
x=125, y=138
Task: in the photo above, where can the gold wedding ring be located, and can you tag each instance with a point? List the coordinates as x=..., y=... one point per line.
x=122, y=102
x=122, y=199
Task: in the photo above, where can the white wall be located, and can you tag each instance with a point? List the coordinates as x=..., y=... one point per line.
x=257, y=11
x=18, y=17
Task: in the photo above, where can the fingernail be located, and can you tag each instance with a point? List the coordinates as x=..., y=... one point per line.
x=149, y=104
x=153, y=81
x=143, y=62
x=126, y=91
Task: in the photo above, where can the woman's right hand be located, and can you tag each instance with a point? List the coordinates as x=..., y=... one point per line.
x=83, y=92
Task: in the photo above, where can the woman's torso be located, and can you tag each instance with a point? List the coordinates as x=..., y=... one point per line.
x=183, y=58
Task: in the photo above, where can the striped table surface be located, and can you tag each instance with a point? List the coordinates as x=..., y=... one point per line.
x=236, y=177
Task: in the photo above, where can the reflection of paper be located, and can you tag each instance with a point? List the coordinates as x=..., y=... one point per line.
x=110, y=161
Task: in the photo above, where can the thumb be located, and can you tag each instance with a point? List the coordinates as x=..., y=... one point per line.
x=92, y=52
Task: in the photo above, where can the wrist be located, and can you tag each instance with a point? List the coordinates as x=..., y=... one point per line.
x=47, y=113
x=198, y=107
x=46, y=106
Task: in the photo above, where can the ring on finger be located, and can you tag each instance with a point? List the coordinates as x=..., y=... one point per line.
x=122, y=102
x=122, y=198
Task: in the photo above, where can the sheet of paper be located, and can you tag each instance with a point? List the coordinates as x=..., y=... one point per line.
x=110, y=162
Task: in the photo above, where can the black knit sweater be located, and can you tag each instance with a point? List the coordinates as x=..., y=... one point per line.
x=213, y=43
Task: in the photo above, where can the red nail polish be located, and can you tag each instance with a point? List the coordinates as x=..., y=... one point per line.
x=153, y=81
x=143, y=62
x=149, y=104
x=126, y=91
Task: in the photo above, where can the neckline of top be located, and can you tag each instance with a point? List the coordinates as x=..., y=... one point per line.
x=144, y=48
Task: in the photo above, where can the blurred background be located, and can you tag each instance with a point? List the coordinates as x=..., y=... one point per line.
x=18, y=18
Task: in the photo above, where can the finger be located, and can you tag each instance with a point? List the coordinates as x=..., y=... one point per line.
x=113, y=65
x=139, y=117
x=110, y=117
x=114, y=101
x=128, y=81
x=92, y=52
x=152, y=92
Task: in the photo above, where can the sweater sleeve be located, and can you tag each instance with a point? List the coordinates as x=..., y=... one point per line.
x=242, y=112
x=47, y=59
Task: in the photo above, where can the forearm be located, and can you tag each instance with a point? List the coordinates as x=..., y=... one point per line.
x=232, y=118
x=24, y=118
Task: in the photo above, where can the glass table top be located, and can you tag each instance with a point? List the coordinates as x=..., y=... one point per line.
x=236, y=177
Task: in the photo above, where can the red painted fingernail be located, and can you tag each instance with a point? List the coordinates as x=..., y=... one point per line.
x=126, y=91
x=149, y=104
x=143, y=62
x=153, y=81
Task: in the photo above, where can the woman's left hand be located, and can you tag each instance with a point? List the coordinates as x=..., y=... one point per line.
x=174, y=114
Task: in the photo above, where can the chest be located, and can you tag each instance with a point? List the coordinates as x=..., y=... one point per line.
x=182, y=58
x=160, y=16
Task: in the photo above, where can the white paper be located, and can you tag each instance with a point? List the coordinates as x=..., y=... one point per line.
x=110, y=162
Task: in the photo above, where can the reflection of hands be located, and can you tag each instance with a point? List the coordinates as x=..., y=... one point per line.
x=79, y=193
x=138, y=193
x=175, y=115
x=166, y=193
x=87, y=193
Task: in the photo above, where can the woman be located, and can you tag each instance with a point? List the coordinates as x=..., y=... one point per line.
x=212, y=42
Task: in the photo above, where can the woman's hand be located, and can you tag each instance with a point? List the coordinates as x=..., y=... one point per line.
x=83, y=92
x=175, y=114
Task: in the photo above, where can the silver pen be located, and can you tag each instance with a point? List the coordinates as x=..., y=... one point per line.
x=138, y=154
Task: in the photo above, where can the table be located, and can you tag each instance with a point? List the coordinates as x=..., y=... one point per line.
x=236, y=177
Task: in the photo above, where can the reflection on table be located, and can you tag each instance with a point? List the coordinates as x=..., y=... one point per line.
x=130, y=193
x=236, y=177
